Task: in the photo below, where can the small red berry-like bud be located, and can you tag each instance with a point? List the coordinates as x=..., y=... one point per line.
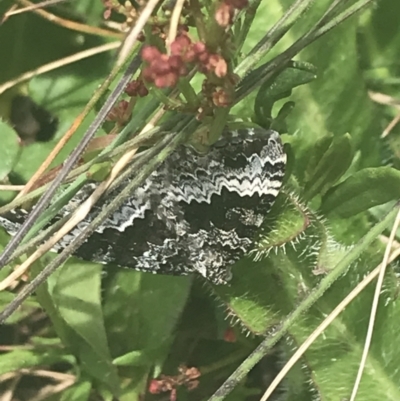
x=220, y=98
x=147, y=75
x=142, y=90
x=201, y=52
x=189, y=56
x=216, y=64
x=224, y=15
x=192, y=384
x=160, y=66
x=180, y=45
x=150, y=53
x=229, y=335
x=154, y=387
x=166, y=81
x=192, y=373
x=175, y=63
x=119, y=112
x=123, y=106
x=112, y=115
x=172, y=396
x=136, y=88
x=131, y=88
x=221, y=68
x=107, y=14
x=199, y=47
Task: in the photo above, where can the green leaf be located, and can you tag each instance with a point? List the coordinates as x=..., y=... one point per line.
x=279, y=87
x=337, y=101
x=141, y=312
x=77, y=392
x=9, y=149
x=25, y=359
x=337, y=353
x=24, y=311
x=363, y=190
x=321, y=146
x=287, y=221
x=99, y=172
x=379, y=42
x=332, y=165
x=77, y=297
x=73, y=301
x=134, y=358
x=265, y=289
x=155, y=303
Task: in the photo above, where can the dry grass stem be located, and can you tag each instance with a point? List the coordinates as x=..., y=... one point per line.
x=75, y=26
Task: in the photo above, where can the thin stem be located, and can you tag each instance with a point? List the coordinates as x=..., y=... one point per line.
x=273, y=36
x=198, y=19
x=59, y=63
x=374, y=308
x=173, y=26
x=260, y=75
x=131, y=38
x=248, y=19
x=73, y=25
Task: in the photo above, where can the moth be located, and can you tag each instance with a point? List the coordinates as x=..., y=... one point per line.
x=197, y=213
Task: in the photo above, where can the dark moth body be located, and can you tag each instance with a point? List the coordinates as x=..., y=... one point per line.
x=196, y=213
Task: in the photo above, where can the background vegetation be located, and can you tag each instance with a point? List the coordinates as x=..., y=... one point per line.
x=94, y=333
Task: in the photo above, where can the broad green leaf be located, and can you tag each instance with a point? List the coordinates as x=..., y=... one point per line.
x=73, y=301
x=337, y=101
x=134, y=358
x=379, y=45
x=141, y=313
x=318, y=301
x=9, y=149
x=287, y=221
x=25, y=359
x=33, y=44
x=279, y=87
x=77, y=296
x=321, y=146
x=333, y=164
x=141, y=310
x=24, y=311
x=91, y=10
x=363, y=190
x=79, y=391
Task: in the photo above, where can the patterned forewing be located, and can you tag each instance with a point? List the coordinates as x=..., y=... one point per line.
x=196, y=213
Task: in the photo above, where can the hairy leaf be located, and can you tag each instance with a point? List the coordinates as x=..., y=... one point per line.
x=363, y=190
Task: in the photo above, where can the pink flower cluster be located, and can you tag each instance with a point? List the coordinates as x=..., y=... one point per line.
x=187, y=377
x=164, y=70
